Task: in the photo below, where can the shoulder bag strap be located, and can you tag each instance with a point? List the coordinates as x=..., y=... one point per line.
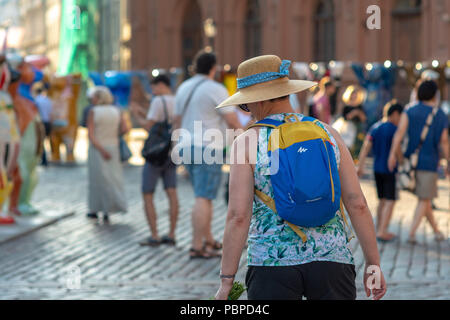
x=188, y=101
x=423, y=137
x=166, y=113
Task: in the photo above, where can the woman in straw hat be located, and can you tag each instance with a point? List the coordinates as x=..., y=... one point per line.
x=280, y=264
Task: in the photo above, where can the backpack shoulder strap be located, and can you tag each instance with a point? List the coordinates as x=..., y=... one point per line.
x=267, y=123
x=310, y=119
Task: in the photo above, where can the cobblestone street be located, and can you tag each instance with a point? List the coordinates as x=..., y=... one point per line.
x=111, y=264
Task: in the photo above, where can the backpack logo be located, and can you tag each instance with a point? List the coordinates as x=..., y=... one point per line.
x=302, y=150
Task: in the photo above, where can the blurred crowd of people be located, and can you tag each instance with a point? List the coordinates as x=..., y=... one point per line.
x=195, y=102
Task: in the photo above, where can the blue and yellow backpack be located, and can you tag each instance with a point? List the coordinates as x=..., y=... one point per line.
x=304, y=173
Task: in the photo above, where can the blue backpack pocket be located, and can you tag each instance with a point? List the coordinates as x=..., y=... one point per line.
x=305, y=189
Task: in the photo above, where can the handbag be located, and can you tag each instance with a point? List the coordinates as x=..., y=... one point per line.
x=159, y=142
x=407, y=169
x=125, y=152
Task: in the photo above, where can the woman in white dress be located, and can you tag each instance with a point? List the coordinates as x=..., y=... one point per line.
x=106, y=186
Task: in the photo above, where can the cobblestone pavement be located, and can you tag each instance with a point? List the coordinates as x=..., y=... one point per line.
x=111, y=264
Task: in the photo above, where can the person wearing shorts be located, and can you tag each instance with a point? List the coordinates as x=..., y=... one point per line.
x=151, y=173
x=196, y=114
x=412, y=124
x=379, y=140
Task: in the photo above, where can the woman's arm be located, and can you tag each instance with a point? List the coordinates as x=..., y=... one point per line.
x=124, y=127
x=362, y=115
x=360, y=216
x=238, y=220
x=141, y=117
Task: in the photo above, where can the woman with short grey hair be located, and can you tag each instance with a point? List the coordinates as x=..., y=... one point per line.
x=105, y=124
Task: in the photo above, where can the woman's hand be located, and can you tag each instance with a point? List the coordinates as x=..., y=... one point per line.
x=106, y=155
x=224, y=290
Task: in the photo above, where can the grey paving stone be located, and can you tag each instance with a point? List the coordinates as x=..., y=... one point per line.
x=114, y=266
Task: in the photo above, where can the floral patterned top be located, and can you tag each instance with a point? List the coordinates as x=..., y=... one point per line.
x=272, y=242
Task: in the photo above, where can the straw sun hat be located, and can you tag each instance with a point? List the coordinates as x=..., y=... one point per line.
x=264, y=78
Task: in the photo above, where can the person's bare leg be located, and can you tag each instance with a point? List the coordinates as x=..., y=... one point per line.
x=150, y=213
x=430, y=217
x=209, y=238
x=386, y=217
x=174, y=208
x=421, y=210
x=380, y=213
x=200, y=217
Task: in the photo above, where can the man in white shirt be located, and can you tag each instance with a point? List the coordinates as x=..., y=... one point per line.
x=196, y=113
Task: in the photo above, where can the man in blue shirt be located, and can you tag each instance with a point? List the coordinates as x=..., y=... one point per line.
x=380, y=140
x=412, y=124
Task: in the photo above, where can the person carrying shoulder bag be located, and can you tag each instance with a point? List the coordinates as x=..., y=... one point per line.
x=158, y=163
x=426, y=127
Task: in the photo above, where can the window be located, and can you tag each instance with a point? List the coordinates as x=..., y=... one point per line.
x=252, y=29
x=407, y=30
x=325, y=33
x=191, y=34
x=407, y=7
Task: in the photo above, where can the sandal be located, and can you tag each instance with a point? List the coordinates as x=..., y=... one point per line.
x=216, y=245
x=389, y=238
x=168, y=240
x=150, y=242
x=202, y=254
x=412, y=241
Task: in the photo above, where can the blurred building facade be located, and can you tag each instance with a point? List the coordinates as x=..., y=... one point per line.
x=167, y=33
x=113, y=33
x=35, y=28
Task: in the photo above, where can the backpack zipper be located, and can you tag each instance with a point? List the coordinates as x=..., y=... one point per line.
x=329, y=167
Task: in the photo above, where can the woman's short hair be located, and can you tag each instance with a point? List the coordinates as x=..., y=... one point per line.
x=102, y=95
